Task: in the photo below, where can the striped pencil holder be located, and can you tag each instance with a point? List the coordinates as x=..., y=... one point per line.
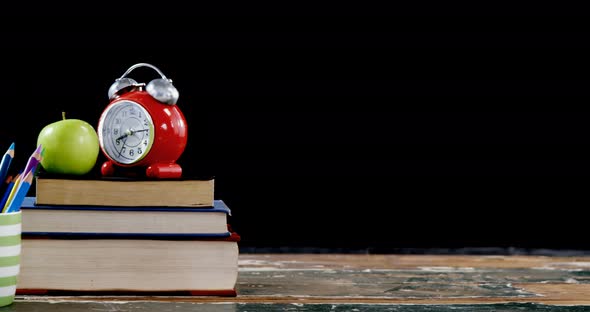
x=10, y=248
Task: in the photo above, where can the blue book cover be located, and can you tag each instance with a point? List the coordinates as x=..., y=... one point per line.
x=218, y=206
x=93, y=222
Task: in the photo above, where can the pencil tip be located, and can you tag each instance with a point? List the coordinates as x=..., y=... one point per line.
x=11, y=146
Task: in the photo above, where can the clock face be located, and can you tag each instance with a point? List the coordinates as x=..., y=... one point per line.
x=126, y=132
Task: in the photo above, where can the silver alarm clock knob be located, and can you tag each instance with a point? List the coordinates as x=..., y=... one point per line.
x=120, y=85
x=162, y=90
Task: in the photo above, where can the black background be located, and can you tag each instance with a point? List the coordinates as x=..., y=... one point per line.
x=342, y=128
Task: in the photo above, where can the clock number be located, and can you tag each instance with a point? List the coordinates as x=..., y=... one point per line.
x=118, y=142
x=124, y=114
x=117, y=121
x=139, y=151
x=131, y=152
x=145, y=122
x=123, y=149
x=145, y=142
x=115, y=131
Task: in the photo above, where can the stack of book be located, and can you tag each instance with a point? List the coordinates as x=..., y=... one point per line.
x=119, y=235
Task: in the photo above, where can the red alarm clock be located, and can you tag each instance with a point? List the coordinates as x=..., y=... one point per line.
x=142, y=127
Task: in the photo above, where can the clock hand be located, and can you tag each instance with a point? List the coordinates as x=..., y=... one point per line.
x=127, y=133
x=122, y=147
x=135, y=131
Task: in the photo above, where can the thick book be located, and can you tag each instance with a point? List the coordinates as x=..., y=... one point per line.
x=123, y=191
x=122, y=221
x=201, y=266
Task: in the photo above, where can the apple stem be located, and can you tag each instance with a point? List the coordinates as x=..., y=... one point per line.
x=63, y=115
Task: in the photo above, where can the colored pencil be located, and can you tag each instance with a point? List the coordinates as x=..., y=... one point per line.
x=34, y=159
x=6, y=160
x=8, y=191
x=5, y=184
x=39, y=164
x=12, y=192
x=21, y=192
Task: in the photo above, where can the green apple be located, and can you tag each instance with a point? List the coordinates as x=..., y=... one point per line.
x=70, y=146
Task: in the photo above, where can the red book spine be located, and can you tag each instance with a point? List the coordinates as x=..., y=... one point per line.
x=202, y=292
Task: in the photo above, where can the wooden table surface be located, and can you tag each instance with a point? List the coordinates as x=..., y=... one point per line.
x=350, y=282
